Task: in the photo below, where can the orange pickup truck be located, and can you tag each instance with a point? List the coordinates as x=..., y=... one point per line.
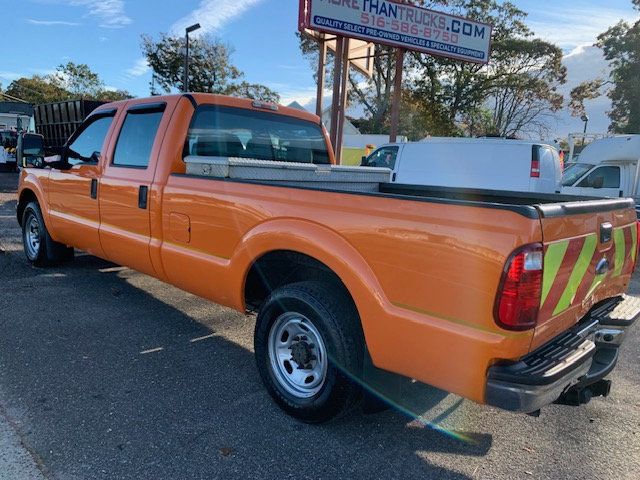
x=512, y=300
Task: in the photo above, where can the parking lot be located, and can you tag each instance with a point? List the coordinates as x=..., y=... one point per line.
x=108, y=373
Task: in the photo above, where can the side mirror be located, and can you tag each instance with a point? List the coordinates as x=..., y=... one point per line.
x=30, y=150
x=365, y=161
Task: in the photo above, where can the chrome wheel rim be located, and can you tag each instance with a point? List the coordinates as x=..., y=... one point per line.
x=32, y=237
x=298, y=355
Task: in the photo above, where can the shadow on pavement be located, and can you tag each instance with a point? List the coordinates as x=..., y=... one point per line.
x=110, y=381
x=8, y=182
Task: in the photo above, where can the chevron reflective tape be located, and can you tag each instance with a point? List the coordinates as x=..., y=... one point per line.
x=552, y=260
x=578, y=273
x=569, y=274
x=618, y=242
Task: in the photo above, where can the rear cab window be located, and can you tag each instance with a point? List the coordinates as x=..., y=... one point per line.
x=137, y=136
x=218, y=131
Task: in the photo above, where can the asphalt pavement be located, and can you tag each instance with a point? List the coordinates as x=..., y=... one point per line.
x=107, y=373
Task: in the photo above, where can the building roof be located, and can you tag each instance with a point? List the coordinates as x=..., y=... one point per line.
x=16, y=108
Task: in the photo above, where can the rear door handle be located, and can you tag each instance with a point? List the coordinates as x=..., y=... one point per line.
x=94, y=188
x=143, y=193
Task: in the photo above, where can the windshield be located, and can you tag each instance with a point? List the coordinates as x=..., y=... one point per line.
x=573, y=173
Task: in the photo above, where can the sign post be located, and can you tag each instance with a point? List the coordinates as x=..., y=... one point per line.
x=342, y=106
x=337, y=81
x=322, y=62
x=397, y=96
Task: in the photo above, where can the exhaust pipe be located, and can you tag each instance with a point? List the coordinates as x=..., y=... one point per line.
x=577, y=396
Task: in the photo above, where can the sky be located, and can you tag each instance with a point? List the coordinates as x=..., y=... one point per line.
x=105, y=34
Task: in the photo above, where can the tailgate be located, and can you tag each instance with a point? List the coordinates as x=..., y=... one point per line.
x=589, y=254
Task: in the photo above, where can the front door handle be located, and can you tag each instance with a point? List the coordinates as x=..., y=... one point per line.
x=94, y=188
x=143, y=193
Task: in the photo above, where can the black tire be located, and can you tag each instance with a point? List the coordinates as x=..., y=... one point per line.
x=47, y=252
x=332, y=313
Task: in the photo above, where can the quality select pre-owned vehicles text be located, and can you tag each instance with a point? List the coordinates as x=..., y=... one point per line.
x=511, y=300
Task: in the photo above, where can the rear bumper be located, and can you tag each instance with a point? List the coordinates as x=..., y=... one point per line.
x=575, y=360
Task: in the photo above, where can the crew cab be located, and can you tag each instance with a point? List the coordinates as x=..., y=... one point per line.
x=508, y=299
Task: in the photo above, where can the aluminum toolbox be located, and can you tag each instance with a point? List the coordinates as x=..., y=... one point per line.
x=333, y=177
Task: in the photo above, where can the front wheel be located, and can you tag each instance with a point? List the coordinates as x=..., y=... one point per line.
x=39, y=248
x=309, y=350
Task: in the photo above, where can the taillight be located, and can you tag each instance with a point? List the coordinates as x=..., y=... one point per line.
x=535, y=168
x=535, y=161
x=518, y=298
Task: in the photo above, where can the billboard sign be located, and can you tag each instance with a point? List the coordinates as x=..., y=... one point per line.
x=400, y=25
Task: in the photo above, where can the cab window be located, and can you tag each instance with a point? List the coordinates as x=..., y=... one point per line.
x=87, y=145
x=384, y=157
x=236, y=132
x=602, y=177
x=136, y=138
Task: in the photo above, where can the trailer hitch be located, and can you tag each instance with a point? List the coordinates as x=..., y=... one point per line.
x=577, y=396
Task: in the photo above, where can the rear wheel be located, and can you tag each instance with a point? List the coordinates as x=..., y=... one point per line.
x=39, y=248
x=309, y=350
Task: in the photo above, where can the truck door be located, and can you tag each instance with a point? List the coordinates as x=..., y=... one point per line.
x=604, y=181
x=125, y=186
x=73, y=200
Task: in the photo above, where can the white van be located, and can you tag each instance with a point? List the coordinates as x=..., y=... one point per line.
x=477, y=163
x=607, y=167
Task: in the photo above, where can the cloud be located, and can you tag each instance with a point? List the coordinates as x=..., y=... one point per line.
x=43, y=71
x=10, y=76
x=139, y=68
x=111, y=13
x=52, y=22
x=578, y=25
x=213, y=15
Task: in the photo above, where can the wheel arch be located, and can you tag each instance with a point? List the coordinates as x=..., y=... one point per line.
x=323, y=249
x=27, y=195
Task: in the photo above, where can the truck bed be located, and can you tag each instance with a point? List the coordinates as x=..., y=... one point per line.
x=376, y=181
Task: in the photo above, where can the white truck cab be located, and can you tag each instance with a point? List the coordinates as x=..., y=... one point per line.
x=476, y=163
x=607, y=167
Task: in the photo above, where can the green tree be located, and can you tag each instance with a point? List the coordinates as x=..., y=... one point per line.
x=621, y=47
x=70, y=81
x=37, y=89
x=112, y=95
x=210, y=67
x=78, y=79
x=519, y=85
x=523, y=93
